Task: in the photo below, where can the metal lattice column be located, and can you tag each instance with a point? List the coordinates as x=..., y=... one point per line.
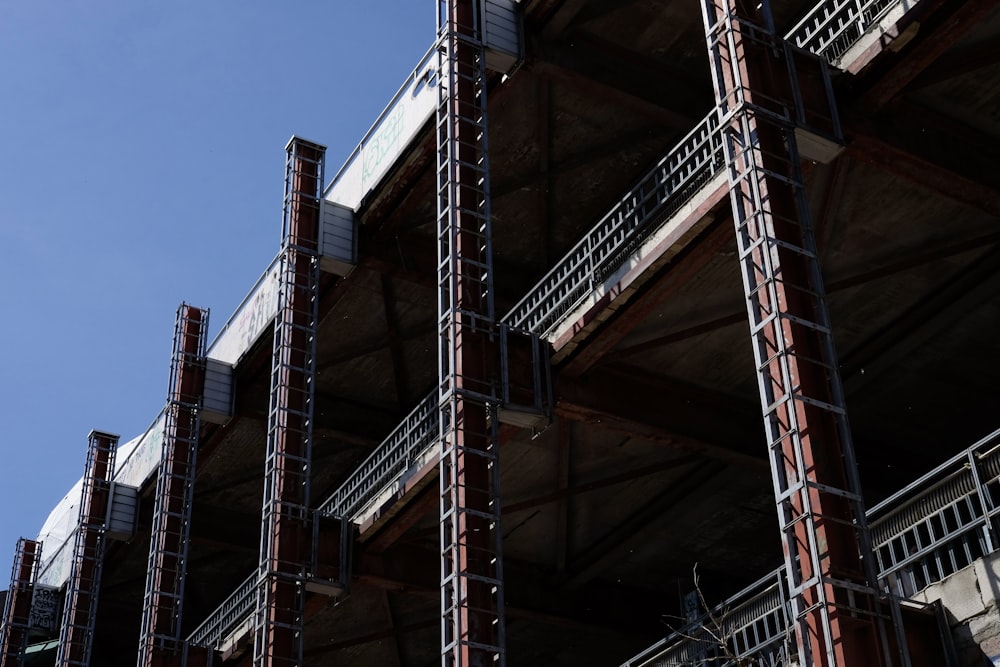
x=76, y=632
x=837, y=614
x=472, y=623
x=160, y=643
x=286, y=533
x=17, y=609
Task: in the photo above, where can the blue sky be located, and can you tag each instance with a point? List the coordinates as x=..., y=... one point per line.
x=141, y=165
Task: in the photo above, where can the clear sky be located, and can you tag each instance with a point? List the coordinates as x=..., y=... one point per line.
x=141, y=165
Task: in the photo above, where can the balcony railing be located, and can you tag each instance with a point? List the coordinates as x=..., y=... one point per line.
x=396, y=454
x=933, y=528
x=941, y=523
x=832, y=27
x=228, y=616
x=753, y=621
x=922, y=540
x=641, y=212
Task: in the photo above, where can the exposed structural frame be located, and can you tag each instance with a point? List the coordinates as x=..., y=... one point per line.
x=76, y=632
x=837, y=613
x=16, y=622
x=160, y=643
x=935, y=526
x=286, y=530
x=472, y=620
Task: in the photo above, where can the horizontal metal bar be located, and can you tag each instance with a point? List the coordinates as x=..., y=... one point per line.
x=227, y=616
x=914, y=498
x=832, y=27
x=673, y=181
x=418, y=431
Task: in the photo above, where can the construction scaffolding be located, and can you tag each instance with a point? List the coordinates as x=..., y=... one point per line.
x=286, y=536
x=837, y=614
x=16, y=622
x=76, y=632
x=610, y=174
x=472, y=620
x=160, y=643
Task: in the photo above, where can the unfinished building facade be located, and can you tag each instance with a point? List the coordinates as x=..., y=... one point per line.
x=612, y=290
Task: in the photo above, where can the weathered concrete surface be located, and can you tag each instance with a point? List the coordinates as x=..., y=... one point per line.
x=970, y=599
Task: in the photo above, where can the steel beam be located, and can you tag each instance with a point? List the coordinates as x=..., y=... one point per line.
x=762, y=99
x=76, y=632
x=472, y=602
x=285, y=552
x=16, y=622
x=163, y=604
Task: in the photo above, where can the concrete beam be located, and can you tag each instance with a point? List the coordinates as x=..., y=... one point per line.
x=959, y=62
x=559, y=67
x=658, y=410
x=938, y=33
x=680, y=270
x=597, y=151
x=920, y=256
x=925, y=174
x=605, y=551
x=923, y=320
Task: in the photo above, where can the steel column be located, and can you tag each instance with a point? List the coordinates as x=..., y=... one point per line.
x=160, y=643
x=838, y=617
x=76, y=632
x=472, y=622
x=285, y=550
x=15, y=624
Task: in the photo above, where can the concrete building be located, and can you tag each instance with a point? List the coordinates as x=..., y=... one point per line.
x=497, y=399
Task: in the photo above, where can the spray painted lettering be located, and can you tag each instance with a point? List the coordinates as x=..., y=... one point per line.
x=384, y=142
x=44, y=609
x=249, y=321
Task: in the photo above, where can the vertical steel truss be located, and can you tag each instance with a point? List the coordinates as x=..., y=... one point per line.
x=160, y=642
x=15, y=624
x=76, y=632
x=472, y=622
x=285, y=536
x=837, y=613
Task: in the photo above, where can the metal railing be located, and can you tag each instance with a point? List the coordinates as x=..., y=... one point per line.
x=941, y=523
x=832, y=27
x=931, y=529
x=937, y=532
x=394, y=456
x=752, y=622
x=227, y=616
x=828, y=30
x=674, y=180
x=389, y=136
